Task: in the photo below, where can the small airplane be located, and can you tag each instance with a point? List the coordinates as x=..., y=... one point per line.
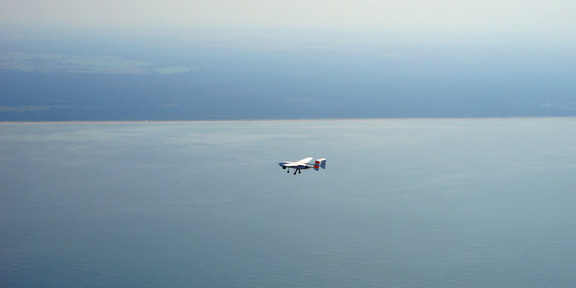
x=303, y=164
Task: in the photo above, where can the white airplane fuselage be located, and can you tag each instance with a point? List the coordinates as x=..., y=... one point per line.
x=293, y=165
x=303, y=164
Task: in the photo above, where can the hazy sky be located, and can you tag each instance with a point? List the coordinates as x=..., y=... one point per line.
x=556, y=17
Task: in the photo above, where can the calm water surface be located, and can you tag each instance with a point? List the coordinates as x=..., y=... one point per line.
x=402, y=203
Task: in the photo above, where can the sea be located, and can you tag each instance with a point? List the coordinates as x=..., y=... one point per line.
x=401, y=203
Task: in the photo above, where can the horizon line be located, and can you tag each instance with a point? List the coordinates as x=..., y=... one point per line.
x=267, y=120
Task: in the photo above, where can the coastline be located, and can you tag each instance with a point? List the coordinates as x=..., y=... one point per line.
x=119, y=122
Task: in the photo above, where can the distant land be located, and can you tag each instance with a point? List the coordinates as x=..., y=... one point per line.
x=58, y=63
x=260, y=77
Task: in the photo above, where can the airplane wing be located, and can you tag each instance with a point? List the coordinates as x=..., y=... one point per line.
x=305, y=160
x=291, y=164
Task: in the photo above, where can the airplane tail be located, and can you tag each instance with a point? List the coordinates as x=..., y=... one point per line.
x=320, y=163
